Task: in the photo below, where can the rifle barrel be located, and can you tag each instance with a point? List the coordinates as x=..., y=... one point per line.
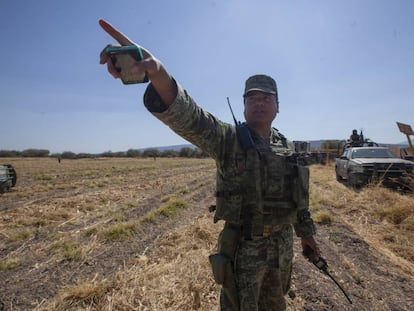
x=340, y=287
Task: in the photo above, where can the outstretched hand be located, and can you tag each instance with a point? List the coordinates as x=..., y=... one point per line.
x=160, y=78
x=146, y=65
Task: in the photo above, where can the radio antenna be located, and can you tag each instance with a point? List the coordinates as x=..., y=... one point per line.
x=234, y=118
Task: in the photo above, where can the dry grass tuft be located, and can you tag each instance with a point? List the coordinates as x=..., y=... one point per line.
x=9, y=264
x=82, y=296
x=67, y=250
x=172, y=275
x=384, y=216
x=323, y=217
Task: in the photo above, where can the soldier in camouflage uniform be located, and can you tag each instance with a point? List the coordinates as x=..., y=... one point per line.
x=261, y=191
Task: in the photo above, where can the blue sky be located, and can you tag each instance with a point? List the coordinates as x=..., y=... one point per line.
x=339, y=65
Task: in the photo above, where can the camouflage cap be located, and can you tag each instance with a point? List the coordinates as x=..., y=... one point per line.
x=261, y=83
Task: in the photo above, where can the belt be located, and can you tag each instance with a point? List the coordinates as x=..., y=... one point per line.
x=267, y=230
x=260, y=230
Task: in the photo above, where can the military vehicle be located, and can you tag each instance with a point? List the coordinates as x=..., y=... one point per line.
x=319, y=156
x=8, y=177
x=361, y=165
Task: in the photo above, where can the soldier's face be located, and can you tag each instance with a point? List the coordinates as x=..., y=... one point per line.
x=260, y=108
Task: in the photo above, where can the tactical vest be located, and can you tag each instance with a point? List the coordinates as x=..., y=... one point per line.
x=260, y=184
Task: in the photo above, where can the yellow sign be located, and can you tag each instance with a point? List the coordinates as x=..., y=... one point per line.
x=405, y=128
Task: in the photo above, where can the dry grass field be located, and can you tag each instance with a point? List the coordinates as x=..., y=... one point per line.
x=135, y=234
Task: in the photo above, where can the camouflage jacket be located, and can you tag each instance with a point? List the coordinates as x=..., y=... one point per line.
x=259, y=183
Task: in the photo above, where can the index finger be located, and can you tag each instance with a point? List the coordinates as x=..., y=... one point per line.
x=115, y=33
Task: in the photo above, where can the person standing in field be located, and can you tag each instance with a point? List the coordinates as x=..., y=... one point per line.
x=262, y=193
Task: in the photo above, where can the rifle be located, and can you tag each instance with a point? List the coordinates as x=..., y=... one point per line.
x=322, y=265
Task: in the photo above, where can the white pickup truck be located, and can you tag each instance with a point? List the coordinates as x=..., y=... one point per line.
x=360, y=165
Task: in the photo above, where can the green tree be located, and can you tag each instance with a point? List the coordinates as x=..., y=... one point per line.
x=151, y=153
x=35, y=153
x=186, y=152
x=133, y=153
x=169, y=153
x=9, y=153
x=68, y=155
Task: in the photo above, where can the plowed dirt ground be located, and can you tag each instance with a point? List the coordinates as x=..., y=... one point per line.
x=102, y=234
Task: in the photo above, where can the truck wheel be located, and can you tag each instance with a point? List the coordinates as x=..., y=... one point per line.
x=3, y=187
x=12, y=173
x=338, y=177
x=350, y=181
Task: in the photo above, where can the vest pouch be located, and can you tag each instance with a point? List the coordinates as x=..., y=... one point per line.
x=222, y=263
x=228, y=199
x=228, y=241
x=222, y=268
x=276, y=188
x=277, y=177
x=223, y=273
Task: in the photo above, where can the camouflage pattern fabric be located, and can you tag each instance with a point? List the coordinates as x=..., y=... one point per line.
x=263, y=271
x=262, y=265
x=219, y=140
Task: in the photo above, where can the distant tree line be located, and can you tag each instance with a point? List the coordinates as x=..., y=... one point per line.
x=185, y=152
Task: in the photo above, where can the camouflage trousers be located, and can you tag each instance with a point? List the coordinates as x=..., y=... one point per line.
x=263, y=268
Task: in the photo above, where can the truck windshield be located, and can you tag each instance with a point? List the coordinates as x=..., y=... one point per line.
x=372, y=153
